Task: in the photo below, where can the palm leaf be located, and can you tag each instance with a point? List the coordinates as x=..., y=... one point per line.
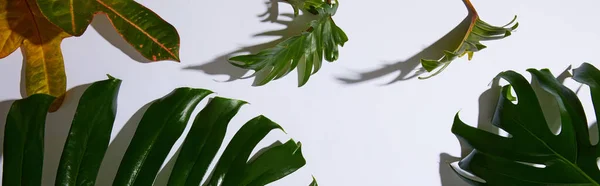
x=478, y=31
x=162, y=124
x=305, y=51
x=533, y=155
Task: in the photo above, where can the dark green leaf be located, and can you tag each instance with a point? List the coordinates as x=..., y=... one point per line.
x=274, y=164
x=203, y=141
x=24, y=141
x=89, y=135
x=232, y=162
x=162, y=124
x=305, y=51
x=148, y=33
x=532, y=154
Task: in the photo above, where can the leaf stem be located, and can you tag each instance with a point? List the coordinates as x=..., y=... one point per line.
x=469, y=5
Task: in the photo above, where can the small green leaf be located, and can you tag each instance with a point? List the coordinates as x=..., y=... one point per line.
x=314, y=182
x=203, y=141
x=478, y=31
x=533, y=154
x=89, y=135
x=162, y=124
x=305, y=51
x=24, y=141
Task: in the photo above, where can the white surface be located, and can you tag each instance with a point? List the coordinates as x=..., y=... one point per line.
x=352, y=134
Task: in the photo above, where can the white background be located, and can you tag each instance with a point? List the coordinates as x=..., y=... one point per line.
x=366, y=133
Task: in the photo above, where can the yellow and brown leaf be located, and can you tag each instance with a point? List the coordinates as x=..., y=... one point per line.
x=22, y=25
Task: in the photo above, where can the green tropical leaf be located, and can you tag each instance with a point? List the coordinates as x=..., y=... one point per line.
x=147, y=32
x=24, y=140
x=203, y=141
x=533, y=154
x=305, y=51
x=89, y=135
x=162, y=124
x=478, y=31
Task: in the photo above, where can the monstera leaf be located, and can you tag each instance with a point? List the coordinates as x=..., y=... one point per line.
x=305, y=51
x=532, y=154
x=22, y=25
x=478, y=31
x=162, y=124
x=149, y=34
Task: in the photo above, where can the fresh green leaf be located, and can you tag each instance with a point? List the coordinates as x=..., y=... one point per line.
x=532, y=154
x=203, y=141
x=238, y=150
x=147, y=32
x=305, y=51
x=162, y=124
x=478, y=31
x=89, y=135
x=207, y=134
x=272, y=165
x=24, y=141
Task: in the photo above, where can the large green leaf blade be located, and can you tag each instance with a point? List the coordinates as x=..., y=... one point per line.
x=162, y=124
x=272, y=165
x=203, y=141
x=532, y=154
x=24, y=141
x=238, y=151
x=89, y=135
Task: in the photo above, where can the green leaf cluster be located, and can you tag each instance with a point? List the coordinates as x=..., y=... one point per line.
x=305, y=51
x=161, y=125
x=532, y=154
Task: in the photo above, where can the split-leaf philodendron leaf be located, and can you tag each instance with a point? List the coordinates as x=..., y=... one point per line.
x=478, y=31
x=148, y=33
x=305, y=51
x=22, y=25
x=161, y=125
x=533, y=154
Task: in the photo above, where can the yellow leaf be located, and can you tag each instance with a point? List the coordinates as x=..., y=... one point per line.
x=23, y=25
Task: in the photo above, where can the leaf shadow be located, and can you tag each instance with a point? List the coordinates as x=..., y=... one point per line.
x=116, y=149
x=104, y=27
x=409, y=68
x=58, y=125
x=221, y=66
x=447, y=175
x=488, y=101
x=162, y=178
x=4, y=108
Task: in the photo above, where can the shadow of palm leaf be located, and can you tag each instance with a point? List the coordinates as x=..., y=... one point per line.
x=220, y=65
